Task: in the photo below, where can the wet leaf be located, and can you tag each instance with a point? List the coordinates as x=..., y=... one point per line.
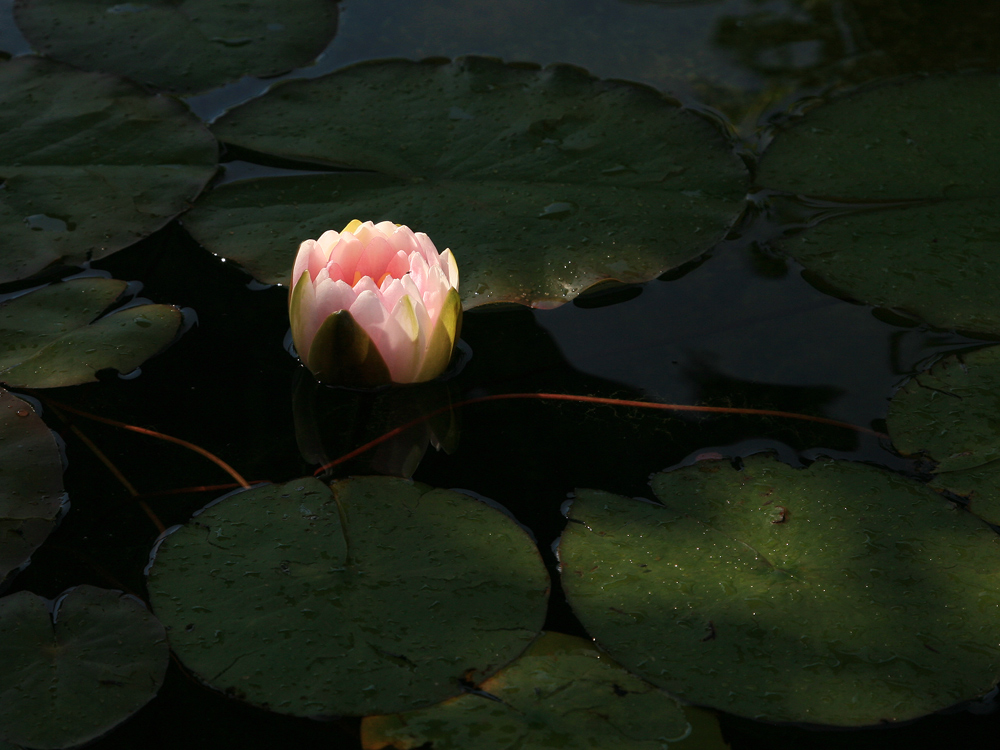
x=980, y=486
x=839, y=594
x=543, y=182
x=47, y=338
x=72, y=671
x=378, y=597
x=939, y=263
x=89, y=164
x=928, y=137
x=951, y=413
x=190, y=46
x=31, y=489
x=560, y=687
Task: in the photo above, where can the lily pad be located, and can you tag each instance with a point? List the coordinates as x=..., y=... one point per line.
x=378, y=597
x=939, y=263
x=48, y=339
x=72, y=671
x=926, y=137
x=542, y=182
x=951, y=413
x=189, y=46
x=980, y=486
x=560, y=687
x=839, y=594
x=31, y=489
x=89, y=164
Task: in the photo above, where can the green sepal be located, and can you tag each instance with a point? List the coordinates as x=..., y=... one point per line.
x=442, y=340
x=342, y=353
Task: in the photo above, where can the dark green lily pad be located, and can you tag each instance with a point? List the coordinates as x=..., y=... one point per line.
x=377, y=597
x=939, y=262
x=542, y=182
x=47, y=338
x=69, y=674
x=31, y=489
x=920, y=138
x=89, y=164
x=839, y=594
x=560, y=687
x=951, y=413
x=189, y=46
x=980, y=486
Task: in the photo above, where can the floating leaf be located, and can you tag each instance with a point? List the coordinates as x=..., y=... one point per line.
x=980, y=486
x=190, y=46
x=89, y=163
x=839, y=594
x=543, y=182
x=940, y=263
x=31, y=489
x=71, y=672
x=560, y=687
x=921, y=138
x=950, y=412
x=47, y=338
x=377, y=597
x=906, y=140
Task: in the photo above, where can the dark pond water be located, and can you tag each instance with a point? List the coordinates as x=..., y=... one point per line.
x=742, y=327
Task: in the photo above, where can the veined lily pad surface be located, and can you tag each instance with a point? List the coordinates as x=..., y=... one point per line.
x=49, y=337
x=376, y=597
x=72, y=671
x=840, y=594
x=898, y=142
x=31, y=489
x=950, y=412
x=543, y=182
x=89, y=164
x=560, y=687
x=189, y=46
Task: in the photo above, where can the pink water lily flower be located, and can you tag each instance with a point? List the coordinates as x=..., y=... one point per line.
x=373, y=304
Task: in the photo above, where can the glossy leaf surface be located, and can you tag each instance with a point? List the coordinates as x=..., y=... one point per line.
x=376, y=597
x=839, y=594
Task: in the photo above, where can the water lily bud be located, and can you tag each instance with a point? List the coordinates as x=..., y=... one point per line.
x=374, y=304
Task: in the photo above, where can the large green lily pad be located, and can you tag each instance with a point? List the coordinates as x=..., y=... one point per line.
x=939, y=262
x=560, y=687
x=89, y=164
x=378, y=597
x=951, y=413
x=181, y=46
x=542, y=182
x=50, y=338
x=839, y=594
x=31, y=489
x=928, y=137
x=925, y=138
x=71, y=672
x=980, y=486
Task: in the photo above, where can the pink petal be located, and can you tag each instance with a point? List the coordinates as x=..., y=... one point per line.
x=450, y=267
x=403, y=239
x=346, y=255
x=392, y=292
x=328, y=240
x=366, y=285
x=398, y=265
x=332, y=296
x=368, y=313
x=427, y=248
x=375, y=258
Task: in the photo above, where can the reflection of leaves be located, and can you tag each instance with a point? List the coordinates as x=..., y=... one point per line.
x=50, y=338
x=373, y=598
x=838, y=594
x=89, y=164
x=69, y=674
x=542, y=182
x=818, y=42
x=191, y=46
x=31, y=489
x=560, y=687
